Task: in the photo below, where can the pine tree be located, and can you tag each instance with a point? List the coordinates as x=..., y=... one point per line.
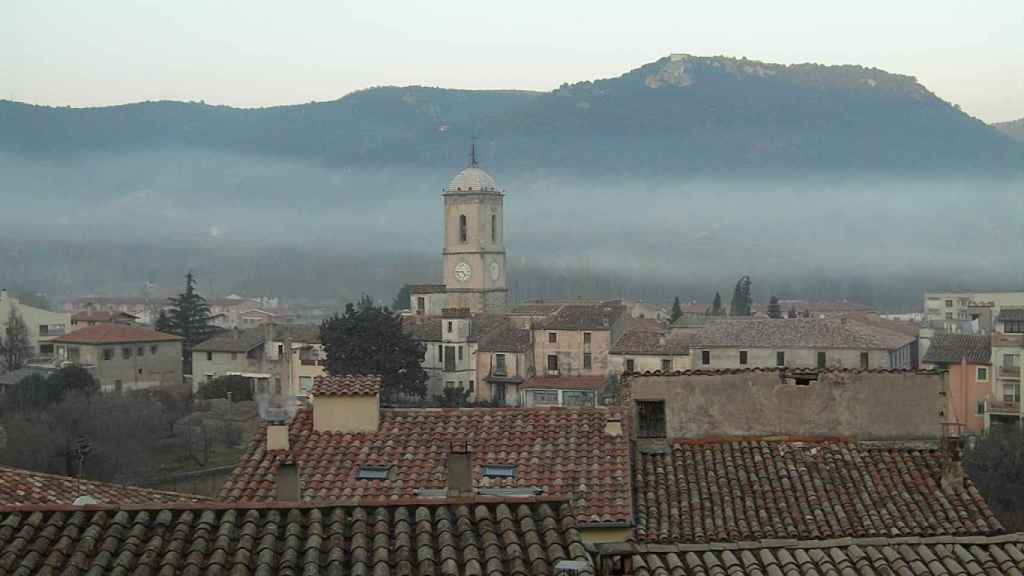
x=677, y=310
x=716, y=306
x=369, y=339
x=742, y=302
x=188, y=317
x=774, y=308
x=15, y=344
x=163, y=322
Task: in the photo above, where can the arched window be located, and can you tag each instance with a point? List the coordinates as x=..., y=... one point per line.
x=462, y=227
x=494, y=228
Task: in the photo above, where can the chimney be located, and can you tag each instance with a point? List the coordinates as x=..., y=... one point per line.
x=347, y=403
x=952, y=479
x=613, y=425
x=277, y=437
x=288, y=488
x=268, y=339
x=460, y=477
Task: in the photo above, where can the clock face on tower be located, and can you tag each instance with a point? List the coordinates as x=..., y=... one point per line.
x=463, y=272
x=495, y=271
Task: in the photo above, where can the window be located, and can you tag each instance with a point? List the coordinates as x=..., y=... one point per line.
x=1011, y=361
x=460, y=352
x=494, y=228
x=449, y=326
x=152, y=350
x=821, y=359
x=1011, y=392
x=552, y=337
x=73, y=353
x=499, y=364
x=440, y=353
x=630, y=365
x=982, y=374
x=780, y=358
x=373, y=473
x=705, y=357
x=209, y=356
x=864, y=360
x=543, y=397
x=210, y=376
x=261, y=385
x=46, y=349
x=449, y=358
x=421, y=305
x=651, y=416
x=277, y=384
x=743, y=357
x=118, y=386
x=586, y=337
x=552, y=363
x=949, y=303
x=306, y=384
x=140, y=351
x=499, y=471
x=949, y=315
x=666, y=365
x=462, y=227
x=126, y=353
x=980, y=408
x=234, y=356
x=588, y=360
x=1013, y=327
x=108, y=353
x=280, y=350
x=470, y=385
x=578, y=398
x=44, y=330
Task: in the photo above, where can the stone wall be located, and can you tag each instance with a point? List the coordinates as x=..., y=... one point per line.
x=867, y=405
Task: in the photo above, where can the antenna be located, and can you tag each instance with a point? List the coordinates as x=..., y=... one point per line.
x=472, y=152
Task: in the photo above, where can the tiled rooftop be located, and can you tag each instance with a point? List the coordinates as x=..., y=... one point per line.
x=27, y=487
x=427, y=288
x=347, y=385
x=798, y=333
x=562, y=451
x=953, y=348
x=738, y=490
x=114, y=334
x=505, y=339
x=583, y=317
x=246, y=340
x=446, y=538
x=939, y=556
x=652, y=343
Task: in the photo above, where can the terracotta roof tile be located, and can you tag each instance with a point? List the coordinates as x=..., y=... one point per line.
x=653, y=343
x=446, y=538
x=246, y=340
x=940, y=556
x=730, y=491
x=505, y=338
x=797, y=333
x=953, y=348
x=27, y=487
x=347, y=385
x=427, y=288
x=102, y=316
x=583, y=317
x=113, y=334
x=563, y=451
x=423, y=328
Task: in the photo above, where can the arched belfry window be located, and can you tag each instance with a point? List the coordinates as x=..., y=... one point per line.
x=494, y=228
x=462, y=227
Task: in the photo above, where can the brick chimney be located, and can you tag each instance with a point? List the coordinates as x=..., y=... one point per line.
x=951, y=446
x=460, y=475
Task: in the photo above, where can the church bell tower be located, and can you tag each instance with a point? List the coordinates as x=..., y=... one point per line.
x=474, y=243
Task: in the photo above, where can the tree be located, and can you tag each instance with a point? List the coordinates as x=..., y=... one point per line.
x=403, y=300
x=15, y=344
x=774, y=308
x=188, y=317
x=452, y=397
x=716, y=306
x=996, y=466
x=37, y=391
x=742, y=302
x=163, y=323
x=677, y=310
x=368, y=339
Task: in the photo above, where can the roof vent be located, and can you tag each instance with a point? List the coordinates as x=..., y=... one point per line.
x=571, y=567
x=85, y=500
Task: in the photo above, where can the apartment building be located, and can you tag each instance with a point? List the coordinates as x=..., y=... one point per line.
x=123, y=358
x=43, y=325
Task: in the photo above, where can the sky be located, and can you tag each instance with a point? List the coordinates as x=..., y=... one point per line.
x=259, y=53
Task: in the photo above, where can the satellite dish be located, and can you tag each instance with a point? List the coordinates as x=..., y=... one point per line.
x=85, y=500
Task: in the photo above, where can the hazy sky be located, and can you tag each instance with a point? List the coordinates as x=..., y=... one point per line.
x=255, y=52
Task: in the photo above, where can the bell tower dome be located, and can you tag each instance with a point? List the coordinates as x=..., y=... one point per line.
x=474, y=243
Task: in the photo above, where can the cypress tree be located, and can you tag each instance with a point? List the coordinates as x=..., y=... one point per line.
x=677, y=310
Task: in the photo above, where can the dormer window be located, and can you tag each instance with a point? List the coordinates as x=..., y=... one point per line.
x=373, y=473
x=499, y=471
x=462, y=228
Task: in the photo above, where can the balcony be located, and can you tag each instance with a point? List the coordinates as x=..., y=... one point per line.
x=1002, y=408
x=1009, y=372
x=51, y=331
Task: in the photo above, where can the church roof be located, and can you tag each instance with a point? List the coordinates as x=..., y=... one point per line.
x=472, y=179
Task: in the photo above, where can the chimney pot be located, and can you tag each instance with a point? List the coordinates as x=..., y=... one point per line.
x=277, y=437
x=613, y=426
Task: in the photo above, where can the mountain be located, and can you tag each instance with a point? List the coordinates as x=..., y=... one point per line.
x=681, y=114
x=673, y=179
x=1014, y=129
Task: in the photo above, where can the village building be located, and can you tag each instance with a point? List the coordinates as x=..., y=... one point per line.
x=123, y=358
x=43, y=325
x=576, y=339
x=800, y=342
x=967, y=312
x=346, y=447
x=563, y=391
x=271, y=356
x=20, y=487
x=94, y=317
x=973, y=398
x=504, y=362
x=651, y=348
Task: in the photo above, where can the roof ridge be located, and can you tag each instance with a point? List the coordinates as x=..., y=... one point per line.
x=642, y=547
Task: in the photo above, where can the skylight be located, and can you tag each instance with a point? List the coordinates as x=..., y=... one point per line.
x=373, y=472
x=499, y=471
